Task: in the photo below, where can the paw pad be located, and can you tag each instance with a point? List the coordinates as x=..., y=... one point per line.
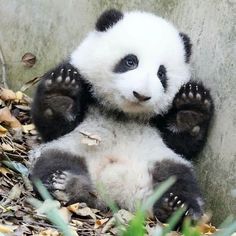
x=62, y=81
x=59, y=180
x=193, y=93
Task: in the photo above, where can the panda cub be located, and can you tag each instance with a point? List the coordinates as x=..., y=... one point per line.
x=122, y=112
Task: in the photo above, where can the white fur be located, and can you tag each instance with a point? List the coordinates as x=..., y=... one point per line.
x=124, y=159
x=154, y=41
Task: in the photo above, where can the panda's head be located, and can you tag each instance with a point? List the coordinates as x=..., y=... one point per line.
x=135, y=61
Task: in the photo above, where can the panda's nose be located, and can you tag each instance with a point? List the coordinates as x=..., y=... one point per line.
x=141, y=97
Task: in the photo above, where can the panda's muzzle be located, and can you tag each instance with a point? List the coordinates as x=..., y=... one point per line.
x=141, y=97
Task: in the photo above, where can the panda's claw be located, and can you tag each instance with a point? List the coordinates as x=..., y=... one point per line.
x=48, y=83
x=59, y=79
x=67, y=80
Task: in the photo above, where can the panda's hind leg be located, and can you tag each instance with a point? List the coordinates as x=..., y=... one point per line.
x=184, y=192
x=56, y=108
x=67, y=178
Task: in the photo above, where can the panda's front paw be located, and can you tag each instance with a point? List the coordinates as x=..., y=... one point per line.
x=193, y=105
x=59, y=93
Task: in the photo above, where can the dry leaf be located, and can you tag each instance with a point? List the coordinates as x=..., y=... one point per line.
x=8, y=118
x=5, y=229
x=49, y=232
x=90, y=139
x=7, y=94
x=74, y=207
x=19, y=96
x=3, y=131
x=76, y=223
x=7, y=147
x=66, y=214
x=86, y=211
x=28, y=128
x=207, y=229
x=99, y=223
x=23, y=107
x=111, y=223
x=5, y=171
x=14, y=193
x=28, y=59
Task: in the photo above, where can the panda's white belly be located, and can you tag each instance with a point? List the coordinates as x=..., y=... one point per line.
x=122, y=161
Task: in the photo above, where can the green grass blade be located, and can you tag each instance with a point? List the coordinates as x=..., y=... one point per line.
x=158, y=193
x=174, y=219
x=42, y=190
x=136, y=226
x=228, y=231
x=50, y=208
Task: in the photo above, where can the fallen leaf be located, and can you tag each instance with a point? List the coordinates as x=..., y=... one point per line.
x=28, y=59
x=23, y=107
x=66, y=214
x=74, y=207
x=8, y=118
x=7, y=94
x=3, y=131
x=76, y=223
x=5, y=229
x=28, y=128
x=90, y=139
x=5, y=171
x=99, y=223
x=7, y=147
x=86, y=211
x=207, y=229
x=49, y=232
x=111, y=223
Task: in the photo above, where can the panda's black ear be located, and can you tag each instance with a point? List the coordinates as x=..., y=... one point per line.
x=108, y=19
x=187, y=46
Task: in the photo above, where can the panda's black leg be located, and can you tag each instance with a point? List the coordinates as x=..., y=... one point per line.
x=56, y=108
x=67, y=178
x=184, y=128
x=184, y=193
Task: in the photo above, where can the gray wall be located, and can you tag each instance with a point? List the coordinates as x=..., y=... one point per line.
x=51, y=29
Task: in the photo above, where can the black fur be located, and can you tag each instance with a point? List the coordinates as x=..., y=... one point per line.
x=184, y=193
x=191, y=116
x=78, y=187
x=162, y=76
x=58, y=107
x=129, y=62
x=108, y=19
x=187, y=46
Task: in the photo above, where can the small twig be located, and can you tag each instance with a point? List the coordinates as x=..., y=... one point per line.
x=4, y=74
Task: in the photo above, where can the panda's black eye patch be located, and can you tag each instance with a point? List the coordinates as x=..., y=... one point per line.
x=129, y=62
x=162, y=76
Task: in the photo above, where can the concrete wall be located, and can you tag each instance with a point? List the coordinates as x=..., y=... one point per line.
x=51, y=29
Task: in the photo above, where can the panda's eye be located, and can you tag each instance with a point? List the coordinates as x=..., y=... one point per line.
x=129, y=62
x=162, y=76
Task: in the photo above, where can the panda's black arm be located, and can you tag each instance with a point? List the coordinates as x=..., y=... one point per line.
x=59, y=103
x=184, y=128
